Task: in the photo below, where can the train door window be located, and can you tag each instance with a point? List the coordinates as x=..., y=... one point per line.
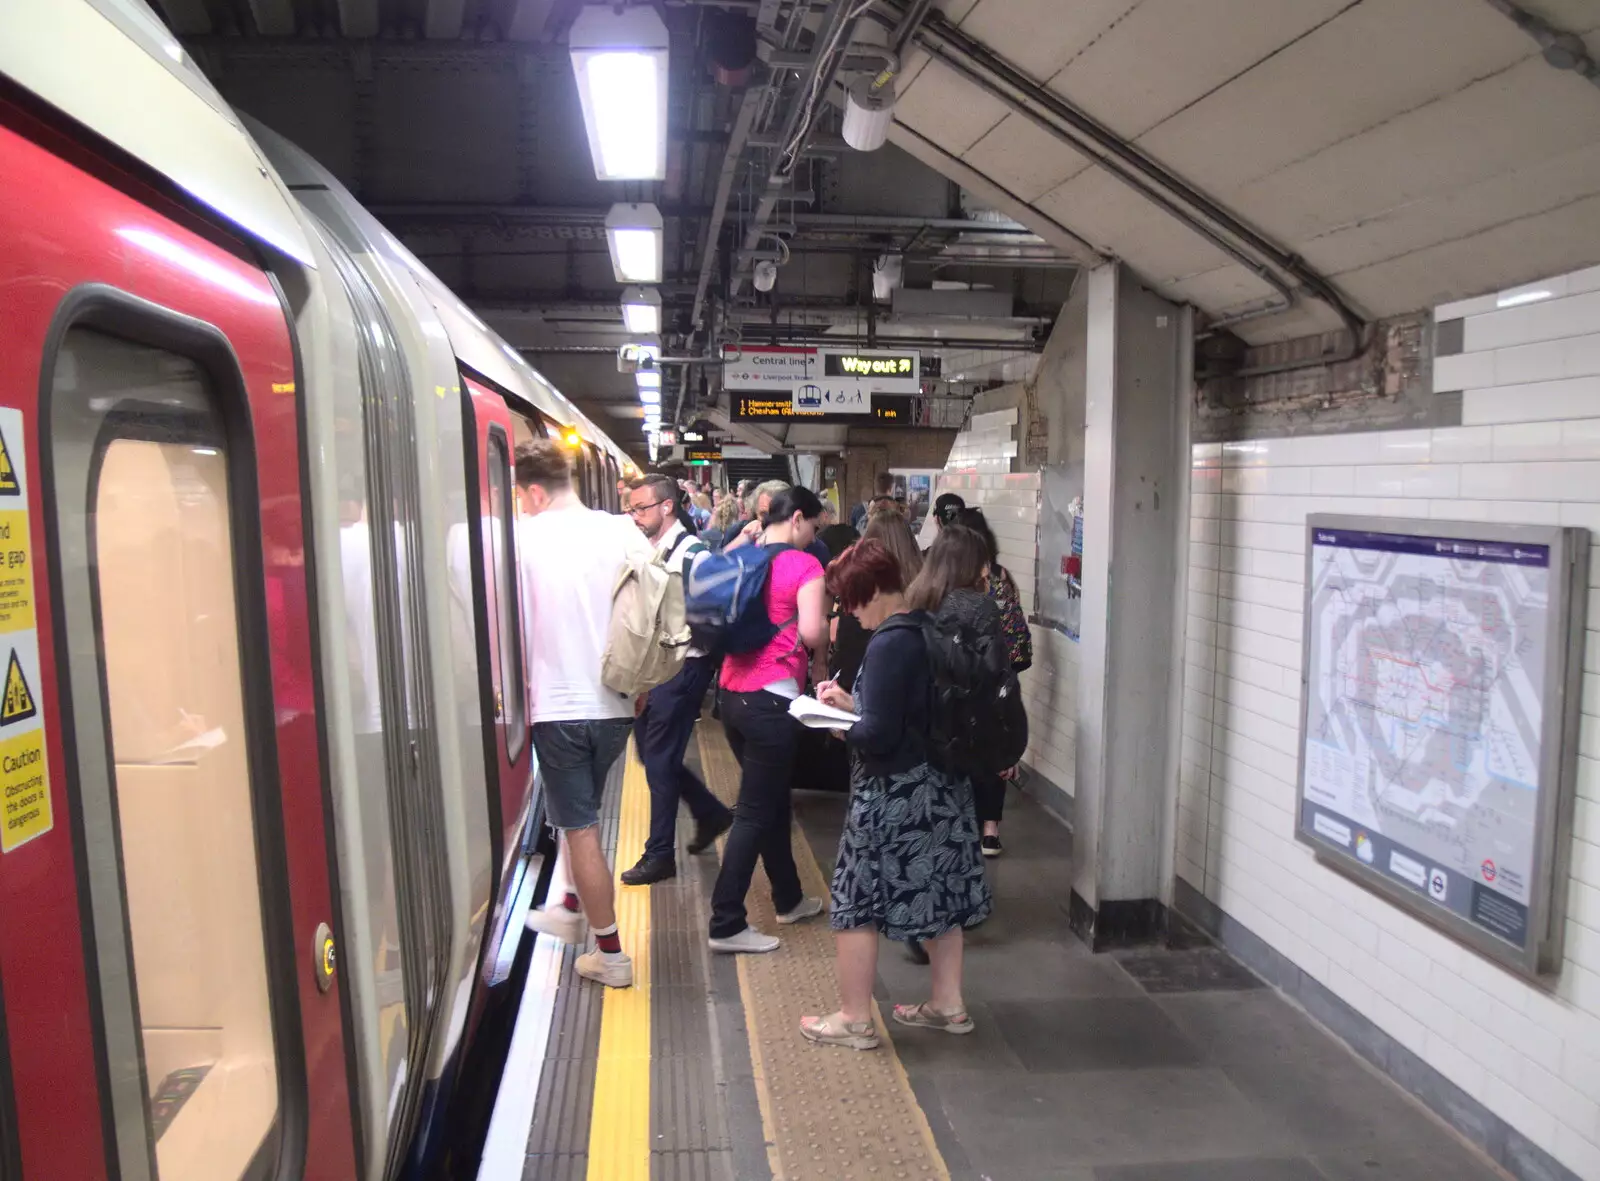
x=524, y=429
x=172, y=795
x=503, y=556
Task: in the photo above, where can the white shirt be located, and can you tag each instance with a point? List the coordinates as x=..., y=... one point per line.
x=679, y=562
x=570, y=557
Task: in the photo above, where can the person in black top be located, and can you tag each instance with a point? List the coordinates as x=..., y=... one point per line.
x=909, y=863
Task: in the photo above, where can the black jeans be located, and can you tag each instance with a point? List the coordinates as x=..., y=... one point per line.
x=763, y=737
x=988, y=797
x=662, y=732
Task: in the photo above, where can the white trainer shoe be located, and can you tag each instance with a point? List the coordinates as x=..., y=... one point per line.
x=749, y=941
x=559, y=923
x=806, y=908
x=612, y=971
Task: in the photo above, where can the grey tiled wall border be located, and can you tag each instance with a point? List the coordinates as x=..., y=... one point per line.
x=1507, y=1147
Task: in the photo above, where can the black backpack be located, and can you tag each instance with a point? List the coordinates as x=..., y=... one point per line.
x=979, y=724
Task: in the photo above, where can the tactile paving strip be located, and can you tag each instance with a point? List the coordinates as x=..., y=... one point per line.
x=558, y=1141
x=831, y=1114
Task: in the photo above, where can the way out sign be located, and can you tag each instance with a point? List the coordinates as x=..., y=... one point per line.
x=24, y=771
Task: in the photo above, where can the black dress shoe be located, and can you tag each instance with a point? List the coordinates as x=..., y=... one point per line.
x=649, y=871
x=706, y=832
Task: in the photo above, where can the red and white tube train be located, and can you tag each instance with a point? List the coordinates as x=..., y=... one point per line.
x=270, y=825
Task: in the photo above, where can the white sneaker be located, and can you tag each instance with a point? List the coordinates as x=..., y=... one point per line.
x=748, y=940
x=806, y=908
x=558, y=922
x=612, y=971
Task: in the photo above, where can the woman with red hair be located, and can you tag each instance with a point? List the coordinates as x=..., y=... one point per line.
x=909, y=861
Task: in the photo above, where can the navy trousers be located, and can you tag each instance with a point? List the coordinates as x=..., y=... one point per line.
x=662, y=732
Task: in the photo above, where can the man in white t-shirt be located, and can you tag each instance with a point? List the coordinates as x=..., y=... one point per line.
x=664, y=726
x=570, y=557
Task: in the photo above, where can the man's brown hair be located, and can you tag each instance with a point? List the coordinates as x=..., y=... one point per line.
x=544, y=462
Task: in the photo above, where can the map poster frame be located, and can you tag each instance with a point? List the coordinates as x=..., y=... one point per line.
x=1420, y=849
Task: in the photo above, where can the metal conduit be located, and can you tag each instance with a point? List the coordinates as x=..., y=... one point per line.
x=1000, y=79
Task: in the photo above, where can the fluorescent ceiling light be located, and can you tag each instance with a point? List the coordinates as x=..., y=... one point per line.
x=649, y=397
x=648, y=379
x=1522, y=297
x=634, y=235
x=620, y=62
x=641, y=311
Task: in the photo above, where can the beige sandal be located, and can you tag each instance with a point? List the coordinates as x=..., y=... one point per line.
x=834, y=1030
x=925, y=1016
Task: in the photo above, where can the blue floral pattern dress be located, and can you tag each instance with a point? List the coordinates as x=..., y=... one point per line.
x=909, y=862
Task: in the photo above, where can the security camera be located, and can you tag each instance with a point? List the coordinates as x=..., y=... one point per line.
x=766, y=275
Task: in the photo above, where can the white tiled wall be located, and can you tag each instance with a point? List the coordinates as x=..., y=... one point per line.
x=1530, y=453
x=988, y=444
x=1010, y=502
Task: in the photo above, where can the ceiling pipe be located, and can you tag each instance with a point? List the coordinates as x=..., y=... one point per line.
x=837, y=21
x=1561, y=50
x=999, y=78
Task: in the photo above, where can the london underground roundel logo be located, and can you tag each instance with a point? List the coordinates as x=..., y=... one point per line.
x=1489, y=870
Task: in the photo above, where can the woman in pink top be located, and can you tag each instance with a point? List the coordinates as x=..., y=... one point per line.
x=756, y=690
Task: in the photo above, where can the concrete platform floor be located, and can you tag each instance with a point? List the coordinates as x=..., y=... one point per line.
x=1173, y=1064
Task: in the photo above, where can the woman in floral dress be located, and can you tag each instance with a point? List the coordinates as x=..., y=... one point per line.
x=909, y=862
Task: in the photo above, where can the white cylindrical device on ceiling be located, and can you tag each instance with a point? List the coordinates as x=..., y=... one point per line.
x=868, y=115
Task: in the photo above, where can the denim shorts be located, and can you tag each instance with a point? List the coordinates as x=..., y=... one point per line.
x=575, y=760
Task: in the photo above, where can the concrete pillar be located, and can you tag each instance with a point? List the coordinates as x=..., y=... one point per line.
x=1137, y=358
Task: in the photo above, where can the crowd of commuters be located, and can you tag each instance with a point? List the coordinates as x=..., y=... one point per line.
x=847, y=606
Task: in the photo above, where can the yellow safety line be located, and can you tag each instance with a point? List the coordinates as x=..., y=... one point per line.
x=779, y=1139
x=619, y=1122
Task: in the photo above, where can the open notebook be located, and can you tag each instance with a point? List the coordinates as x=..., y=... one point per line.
x=811, y=712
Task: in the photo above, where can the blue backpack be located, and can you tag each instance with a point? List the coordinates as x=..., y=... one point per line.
x=725, y=599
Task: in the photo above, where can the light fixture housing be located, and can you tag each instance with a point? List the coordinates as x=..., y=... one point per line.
x=868, y=115
x=634, y=235
x=619, y=59
x=641, y=311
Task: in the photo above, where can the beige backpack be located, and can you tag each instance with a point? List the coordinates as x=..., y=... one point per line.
x=648, y=636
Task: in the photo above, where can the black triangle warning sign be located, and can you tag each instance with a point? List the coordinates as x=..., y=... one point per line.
x=19, y=705
x=9, y=484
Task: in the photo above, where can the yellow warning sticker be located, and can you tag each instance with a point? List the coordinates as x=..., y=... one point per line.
x=10, y=481
x=24, y=773
x=18, y=702
x=16, y=572
x=25, y=785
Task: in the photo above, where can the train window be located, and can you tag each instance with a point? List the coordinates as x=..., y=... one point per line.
x=143, y=512
x=503, y=554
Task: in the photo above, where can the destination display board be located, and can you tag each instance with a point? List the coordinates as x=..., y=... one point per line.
x=1439, y=720
x=823, y=380
x=884, y=409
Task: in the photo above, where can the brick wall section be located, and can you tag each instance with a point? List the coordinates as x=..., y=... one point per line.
x=1528, y=452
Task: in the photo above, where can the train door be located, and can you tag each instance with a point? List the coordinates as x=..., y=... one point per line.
x=491, y=446
x=169, y=972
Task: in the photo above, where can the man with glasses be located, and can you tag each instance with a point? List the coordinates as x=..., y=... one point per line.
x=665, y=724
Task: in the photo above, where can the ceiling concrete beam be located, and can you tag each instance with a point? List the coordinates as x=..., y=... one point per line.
x=187, y=18
x=358, y=18
x=1078, y=249
x=443, y=19
x=274, y=18
x=744, y=432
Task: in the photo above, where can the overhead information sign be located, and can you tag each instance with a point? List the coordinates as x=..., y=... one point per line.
x=884, y=408
x=824, y=380
x=765, y=368
x=1435, y=748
